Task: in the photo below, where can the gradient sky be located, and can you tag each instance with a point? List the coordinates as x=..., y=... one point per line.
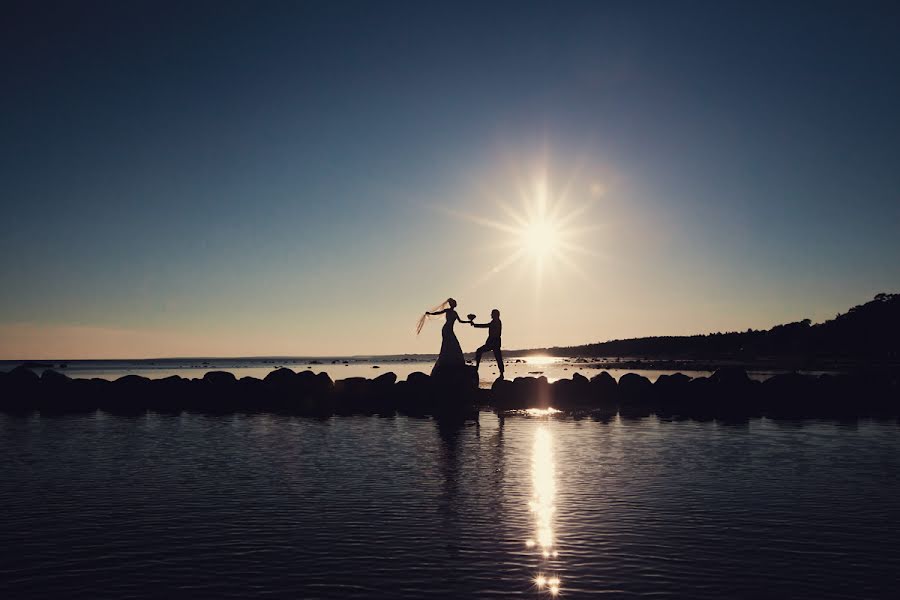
x=248, y=178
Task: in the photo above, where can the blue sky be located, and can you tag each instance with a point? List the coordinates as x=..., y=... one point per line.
x=286, y=178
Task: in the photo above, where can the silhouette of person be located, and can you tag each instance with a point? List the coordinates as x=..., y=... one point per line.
x=494, y=328
x=451, y=356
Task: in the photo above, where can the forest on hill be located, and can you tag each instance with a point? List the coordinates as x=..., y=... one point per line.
x=869, y=331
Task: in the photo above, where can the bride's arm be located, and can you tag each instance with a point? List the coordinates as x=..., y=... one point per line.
x=434, y=314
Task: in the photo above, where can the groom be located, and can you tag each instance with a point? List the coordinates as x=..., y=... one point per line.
x=493, y=341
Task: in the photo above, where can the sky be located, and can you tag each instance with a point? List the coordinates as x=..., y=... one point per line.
x=306, y=178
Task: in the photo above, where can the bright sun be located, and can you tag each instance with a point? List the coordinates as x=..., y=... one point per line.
x=540, y=238
x=542, y=230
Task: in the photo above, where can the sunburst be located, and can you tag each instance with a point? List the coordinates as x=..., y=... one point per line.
x=546, y=229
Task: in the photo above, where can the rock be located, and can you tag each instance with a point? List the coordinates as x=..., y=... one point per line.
x=674, y=382
x=728, y=394
x=568, y=393
x=604, y=392
x=632, y=385
x=354, y=394
x=220, y=378
x=22, y=375
x=51, y=377
x=388, y=378
x=635, y=395
x=418, y=378
x=531, y=392
x=603, y=381
x=732, y=377
x=789, y=394
x=131, y=380
x=280, y=377
x=453, y=378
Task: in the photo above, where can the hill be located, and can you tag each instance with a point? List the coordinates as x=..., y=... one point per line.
x=866, y=332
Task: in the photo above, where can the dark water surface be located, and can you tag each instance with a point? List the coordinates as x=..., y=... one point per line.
x=100, y=506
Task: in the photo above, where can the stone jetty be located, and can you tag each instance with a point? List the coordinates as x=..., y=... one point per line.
x=728, y=393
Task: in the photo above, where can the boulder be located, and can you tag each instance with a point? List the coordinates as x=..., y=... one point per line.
x=51, y=377
x=502, y=396
x=788, y=394
x=569, y=393
x=386, y=379
x=532, y=392
x=463, y=376
x=731, y=377
x=633, y=386
x=220, y=378
x=418, y=378
x=635, y=393
x=605, y=390
x=281, y=377
x=22, y=375
x=676, y=383
x=131, y=381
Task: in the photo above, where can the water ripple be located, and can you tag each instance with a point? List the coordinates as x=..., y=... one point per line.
x=97, y=506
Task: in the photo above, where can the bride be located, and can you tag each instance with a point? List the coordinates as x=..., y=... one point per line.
x=451, y=355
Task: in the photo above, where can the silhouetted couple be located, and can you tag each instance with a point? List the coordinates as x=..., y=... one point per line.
x=451, y=355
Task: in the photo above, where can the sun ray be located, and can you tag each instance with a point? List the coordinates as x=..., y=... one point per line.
x=545, y=231
x=512, y=214
x=574, y=213
x=482, y=221
x=501, y=266
x=581, y=250
x=580, y=231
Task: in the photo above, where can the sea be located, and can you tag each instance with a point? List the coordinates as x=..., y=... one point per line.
x=531, y=504
x=528, y=504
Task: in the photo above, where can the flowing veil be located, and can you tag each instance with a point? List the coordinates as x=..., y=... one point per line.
x=421, y=322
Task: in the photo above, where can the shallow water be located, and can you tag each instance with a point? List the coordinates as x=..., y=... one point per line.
x=100, y=506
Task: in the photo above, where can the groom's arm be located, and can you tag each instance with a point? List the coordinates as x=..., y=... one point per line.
x=481, y=325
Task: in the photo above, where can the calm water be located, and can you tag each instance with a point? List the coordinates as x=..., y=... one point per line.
x=198, y=506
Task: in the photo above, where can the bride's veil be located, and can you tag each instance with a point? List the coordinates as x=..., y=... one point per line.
x=421, y=322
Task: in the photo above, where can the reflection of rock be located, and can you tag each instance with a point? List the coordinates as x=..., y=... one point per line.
x=728, y=394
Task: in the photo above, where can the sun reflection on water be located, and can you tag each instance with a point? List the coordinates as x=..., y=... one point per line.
x=541, y=412
x=542, y=505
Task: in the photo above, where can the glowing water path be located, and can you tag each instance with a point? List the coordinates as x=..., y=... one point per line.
x=543, y=507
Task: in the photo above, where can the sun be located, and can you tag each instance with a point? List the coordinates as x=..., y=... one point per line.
x=540, y=238
x=545, y=228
